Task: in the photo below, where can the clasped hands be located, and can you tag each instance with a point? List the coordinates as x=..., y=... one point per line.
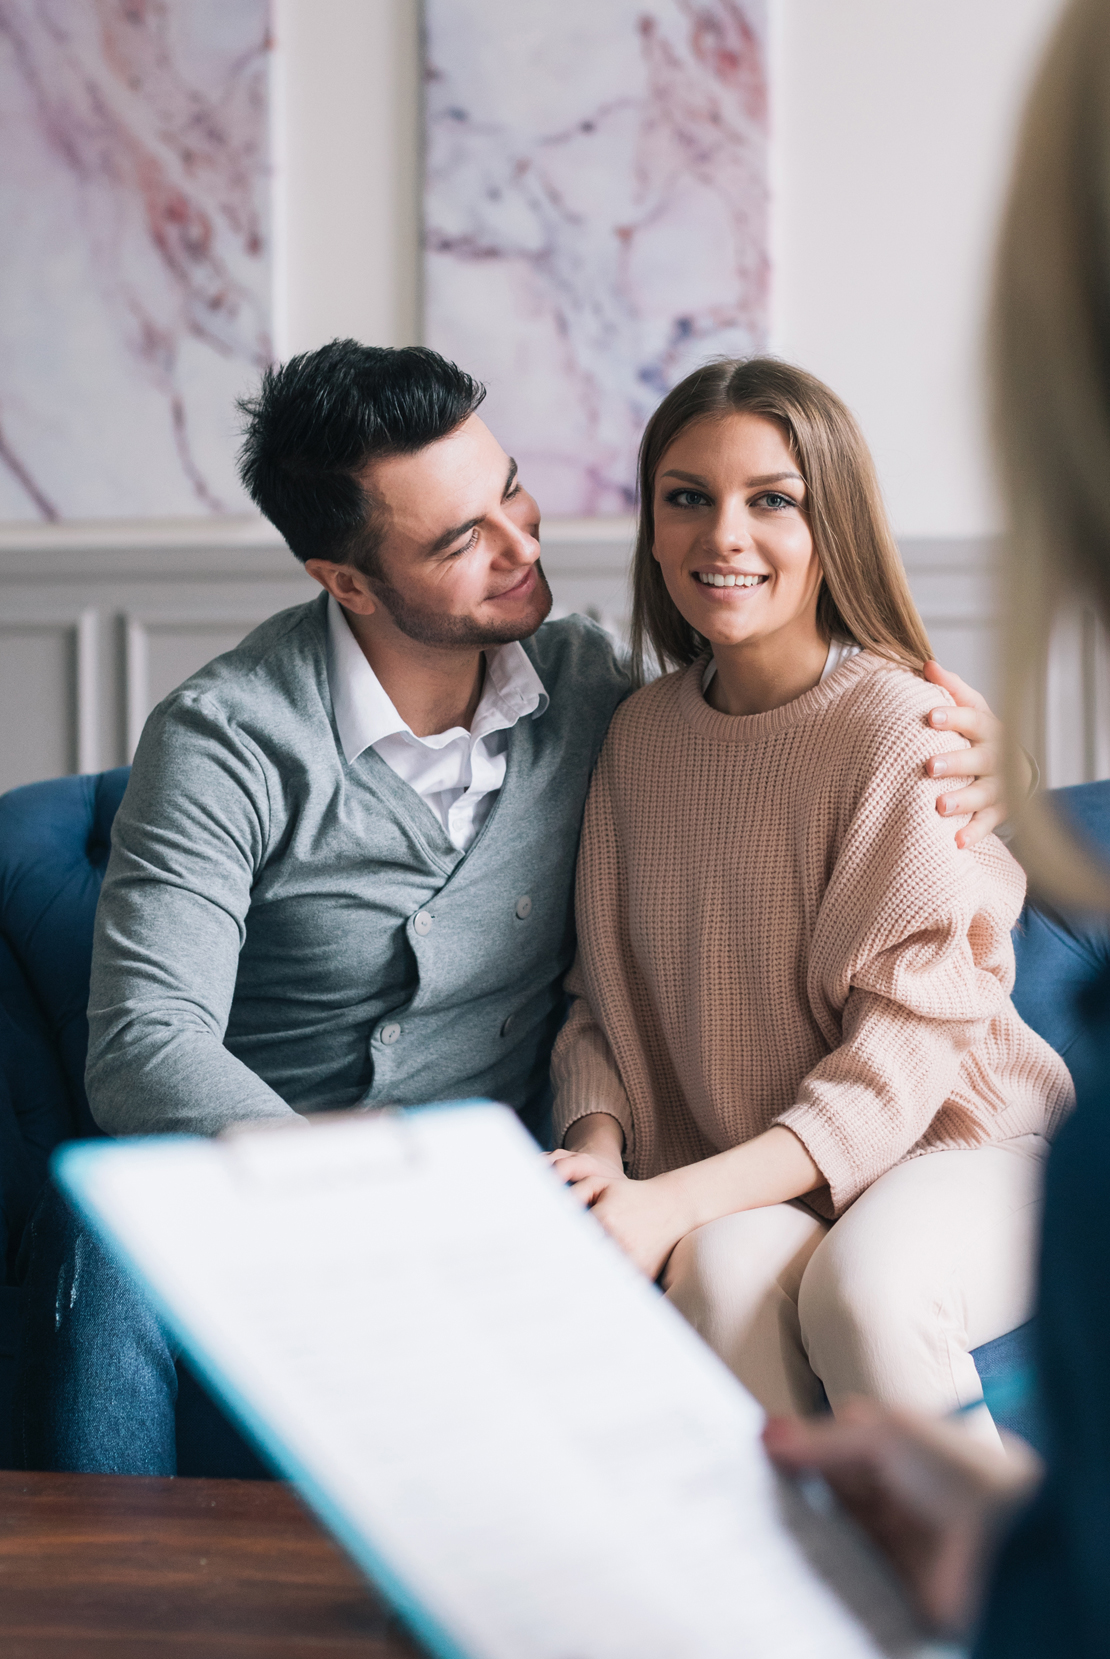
x=646, y=1218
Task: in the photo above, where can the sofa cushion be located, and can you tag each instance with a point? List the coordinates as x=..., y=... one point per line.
x=54, y=843
x=1059, y=956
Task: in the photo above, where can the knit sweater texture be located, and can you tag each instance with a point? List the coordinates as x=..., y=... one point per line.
x=776, y=927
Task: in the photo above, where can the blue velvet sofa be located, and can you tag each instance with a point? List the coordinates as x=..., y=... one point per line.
x=54, y=840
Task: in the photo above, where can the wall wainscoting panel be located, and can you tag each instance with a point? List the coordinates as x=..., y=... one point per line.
x=954, y=583
x=165, y=644
x=39, y=696
x=99, y=622
x=1075, y=712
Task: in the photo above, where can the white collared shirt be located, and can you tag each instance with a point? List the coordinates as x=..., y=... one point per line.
x=840, y=650
x=458, y=772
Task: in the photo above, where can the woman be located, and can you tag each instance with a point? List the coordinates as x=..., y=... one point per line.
x=793, y=1022
x=936, y=1513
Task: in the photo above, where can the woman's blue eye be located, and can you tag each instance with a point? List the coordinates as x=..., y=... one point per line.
x=686, y=498
x=776, y=501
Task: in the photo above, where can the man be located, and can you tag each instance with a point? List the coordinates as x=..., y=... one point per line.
x=342, y=871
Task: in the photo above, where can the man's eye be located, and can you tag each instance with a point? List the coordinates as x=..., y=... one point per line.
x=470, y=542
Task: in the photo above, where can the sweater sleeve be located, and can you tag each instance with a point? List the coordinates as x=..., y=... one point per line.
x=584, y=1072
x=187, y=843
x=911, y=960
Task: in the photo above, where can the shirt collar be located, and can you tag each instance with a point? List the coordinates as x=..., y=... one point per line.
x=839, y=651
x=364, y=711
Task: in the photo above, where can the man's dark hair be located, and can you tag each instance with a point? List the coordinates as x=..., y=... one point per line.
x=316, y=422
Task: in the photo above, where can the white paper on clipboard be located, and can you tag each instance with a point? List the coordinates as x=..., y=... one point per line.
x=503, y=1423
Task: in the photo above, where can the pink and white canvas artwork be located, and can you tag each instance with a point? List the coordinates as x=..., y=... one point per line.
x=135, y=259
x=595, y=217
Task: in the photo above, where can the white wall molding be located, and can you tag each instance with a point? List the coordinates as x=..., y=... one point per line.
x=136, y=688
x=1074, y=715
x=98, y=622
x=87, y=688
x=48, y=691
x=91, y=535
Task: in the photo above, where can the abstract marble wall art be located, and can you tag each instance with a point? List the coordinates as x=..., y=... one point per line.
x=135, y=258
x=595, y=217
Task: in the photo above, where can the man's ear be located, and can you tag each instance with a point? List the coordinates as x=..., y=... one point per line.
x=345, y=583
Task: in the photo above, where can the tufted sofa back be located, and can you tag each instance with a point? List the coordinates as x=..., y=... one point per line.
x=54, y=841
x=1058, y=956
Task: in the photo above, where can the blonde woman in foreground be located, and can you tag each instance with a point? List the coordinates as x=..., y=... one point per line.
x=793, y=1082
x=938, y=1512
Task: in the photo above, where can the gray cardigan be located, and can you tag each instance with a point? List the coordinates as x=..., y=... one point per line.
x=281, y=930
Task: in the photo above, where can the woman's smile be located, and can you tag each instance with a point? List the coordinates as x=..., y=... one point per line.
x=734, y=579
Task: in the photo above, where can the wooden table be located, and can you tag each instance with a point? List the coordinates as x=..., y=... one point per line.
x=122, y=1567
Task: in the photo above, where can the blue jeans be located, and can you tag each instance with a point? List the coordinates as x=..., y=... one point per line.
x=100, y=1387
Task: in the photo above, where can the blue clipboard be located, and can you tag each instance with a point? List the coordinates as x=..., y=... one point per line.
x=73, y=1167
x=442, y=1433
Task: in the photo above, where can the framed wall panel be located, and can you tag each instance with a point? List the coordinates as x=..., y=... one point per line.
x=98, y=622
x=1075, y=737
x=48, y=697
x=161, y=650
x=596, y=218
x=135, y=197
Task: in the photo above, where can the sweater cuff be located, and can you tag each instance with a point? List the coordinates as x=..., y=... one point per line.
x=588, y=1082
x=835, y=1161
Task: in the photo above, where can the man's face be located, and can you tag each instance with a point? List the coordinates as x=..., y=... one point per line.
x=459, y=557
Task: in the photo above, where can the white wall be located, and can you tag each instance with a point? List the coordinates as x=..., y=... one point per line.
x=893, y=127
x=894, y=123
x=346, y=134
x=893, y=119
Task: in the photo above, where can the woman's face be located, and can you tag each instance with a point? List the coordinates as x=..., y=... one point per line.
x=731, y=534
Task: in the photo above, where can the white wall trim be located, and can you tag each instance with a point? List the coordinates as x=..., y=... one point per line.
x=87, y=691
x=246, y=530
x=136, y=680
x=122, y=591
x=93, y=535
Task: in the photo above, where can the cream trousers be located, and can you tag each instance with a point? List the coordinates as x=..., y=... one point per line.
x=937, y=1257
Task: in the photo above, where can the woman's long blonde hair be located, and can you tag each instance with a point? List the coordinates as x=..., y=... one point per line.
x=1050, y=360
x=864, y=595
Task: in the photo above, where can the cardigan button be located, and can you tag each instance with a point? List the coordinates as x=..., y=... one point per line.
x=390, y=1033
x=422, y=922
x=523, y=908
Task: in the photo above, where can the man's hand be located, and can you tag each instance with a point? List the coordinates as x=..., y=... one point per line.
x=645, y=1218
x=934, y=1500
x=985, y=798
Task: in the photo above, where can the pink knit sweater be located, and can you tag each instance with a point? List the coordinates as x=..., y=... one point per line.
x=776, y=926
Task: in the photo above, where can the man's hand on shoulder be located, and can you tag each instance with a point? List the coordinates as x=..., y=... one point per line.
x=985, y=796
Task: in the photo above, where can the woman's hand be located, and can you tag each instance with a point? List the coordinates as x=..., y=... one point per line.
x=934, y=1500
x=646, y=1218
x=985, y=798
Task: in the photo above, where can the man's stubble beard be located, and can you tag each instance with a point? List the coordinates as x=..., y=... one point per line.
x=433, y=628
